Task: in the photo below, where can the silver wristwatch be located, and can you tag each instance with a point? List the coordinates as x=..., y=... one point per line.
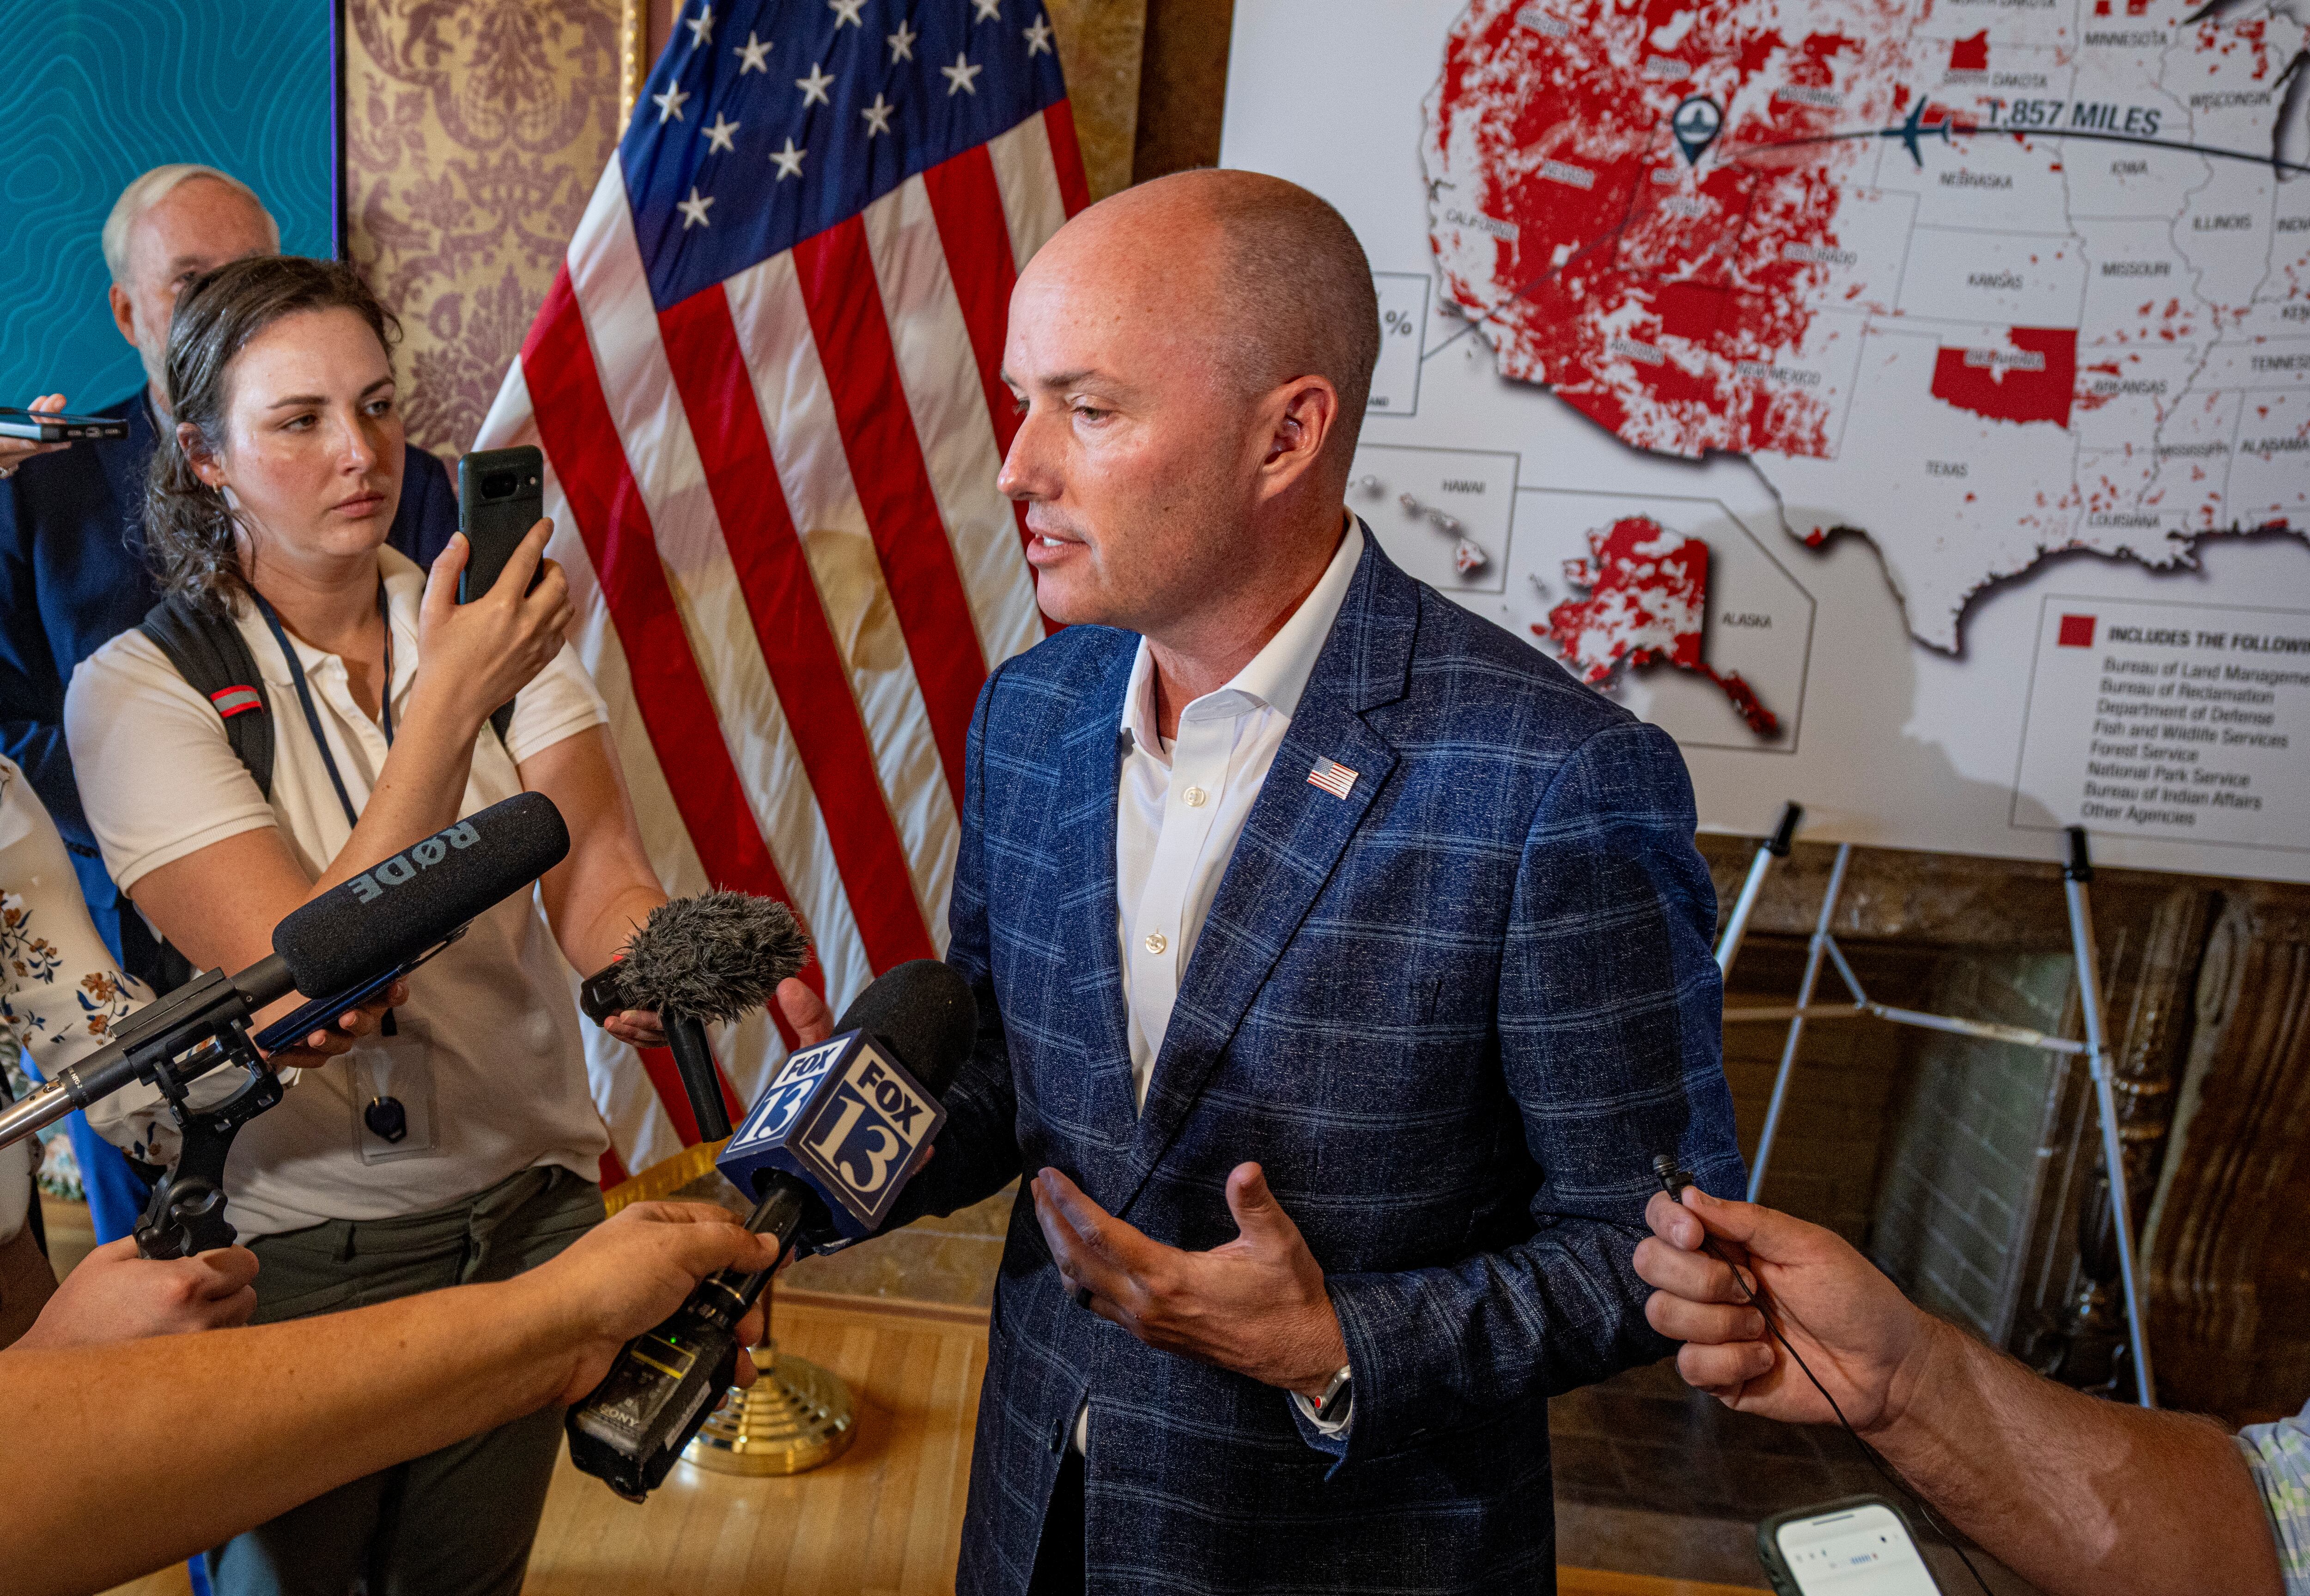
x=1336, y=1396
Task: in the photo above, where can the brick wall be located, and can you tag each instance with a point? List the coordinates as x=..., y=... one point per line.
x=1961, y=1180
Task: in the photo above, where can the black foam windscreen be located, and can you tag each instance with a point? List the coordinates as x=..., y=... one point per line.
x=713, y=957
x=400, y=906
x=925, y=1013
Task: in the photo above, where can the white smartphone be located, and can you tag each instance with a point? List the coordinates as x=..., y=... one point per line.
x=1857, y=1547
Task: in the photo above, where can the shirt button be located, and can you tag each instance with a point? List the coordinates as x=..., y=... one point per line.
x=1194, y=797
x=1156, y=942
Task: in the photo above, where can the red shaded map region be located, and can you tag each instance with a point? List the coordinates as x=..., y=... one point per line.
x=1646, y=604
x=2033, y=379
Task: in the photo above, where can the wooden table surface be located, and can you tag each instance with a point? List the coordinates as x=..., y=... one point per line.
x=885, y=1519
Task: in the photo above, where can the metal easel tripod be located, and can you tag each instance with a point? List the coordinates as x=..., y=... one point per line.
x=2076, y=876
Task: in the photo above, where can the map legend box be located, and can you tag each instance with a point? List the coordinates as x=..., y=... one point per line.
x=2165, y=720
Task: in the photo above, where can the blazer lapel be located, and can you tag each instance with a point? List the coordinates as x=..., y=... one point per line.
x=1292, y=842
x=1090, y=760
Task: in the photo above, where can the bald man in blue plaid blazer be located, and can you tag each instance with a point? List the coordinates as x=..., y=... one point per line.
x=1307, y=1244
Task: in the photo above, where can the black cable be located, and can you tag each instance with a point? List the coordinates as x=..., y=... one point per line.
x=1671, y=1180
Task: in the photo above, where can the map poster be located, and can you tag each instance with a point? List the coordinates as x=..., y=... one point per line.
x=1812, y=375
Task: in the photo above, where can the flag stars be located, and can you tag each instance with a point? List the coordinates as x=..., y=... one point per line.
x=693, y=211
x=789, y=160
x=902, y=42
x=669, y=103
x=813, y=87
x=753, y=56
x=989, y=11
x=961, y=78
x=701, y=27
x=846, y=10
x=1038, y=36
x=878, y=116
x=718, y=136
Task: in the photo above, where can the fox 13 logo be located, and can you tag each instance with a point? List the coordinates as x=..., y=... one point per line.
x=843, y=1116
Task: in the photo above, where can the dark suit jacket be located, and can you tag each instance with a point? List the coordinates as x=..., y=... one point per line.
x=74, y=576
x=1454, y=1015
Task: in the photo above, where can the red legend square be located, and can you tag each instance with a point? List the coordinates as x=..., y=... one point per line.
x=2076, y=632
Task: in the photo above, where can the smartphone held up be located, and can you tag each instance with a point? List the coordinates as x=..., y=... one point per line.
x=500, y=496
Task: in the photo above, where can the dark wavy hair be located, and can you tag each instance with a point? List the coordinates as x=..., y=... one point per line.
x=188, y=528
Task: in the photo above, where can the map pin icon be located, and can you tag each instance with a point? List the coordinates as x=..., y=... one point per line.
x=1696, y=123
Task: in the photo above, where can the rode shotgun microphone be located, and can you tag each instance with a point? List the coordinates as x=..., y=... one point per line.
x=837, y=1132
x=351, y=942
x=712, y=957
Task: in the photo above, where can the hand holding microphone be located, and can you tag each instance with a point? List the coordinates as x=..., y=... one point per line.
x=833, y=1139
x=713, y=957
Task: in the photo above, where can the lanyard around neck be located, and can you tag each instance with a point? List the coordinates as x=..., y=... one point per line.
x=305, y=693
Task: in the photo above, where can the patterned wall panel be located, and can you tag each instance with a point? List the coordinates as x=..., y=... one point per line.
x=98, y=90
x=475, y=130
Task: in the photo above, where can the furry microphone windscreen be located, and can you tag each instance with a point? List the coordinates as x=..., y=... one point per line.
x=713, y=957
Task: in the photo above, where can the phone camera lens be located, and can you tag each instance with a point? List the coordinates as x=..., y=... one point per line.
x=498, y=484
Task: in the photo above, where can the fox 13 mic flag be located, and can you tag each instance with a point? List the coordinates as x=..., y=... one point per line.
x=767, y=385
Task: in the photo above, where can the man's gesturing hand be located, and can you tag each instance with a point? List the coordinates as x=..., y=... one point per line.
x=1256, y=1305
x=1865, y=1342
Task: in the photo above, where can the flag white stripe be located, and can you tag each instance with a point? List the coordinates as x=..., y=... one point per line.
x=939, y=374
x=798, y=416
x=1029, y=178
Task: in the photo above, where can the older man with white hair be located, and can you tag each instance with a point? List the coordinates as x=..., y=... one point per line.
x=73, y=571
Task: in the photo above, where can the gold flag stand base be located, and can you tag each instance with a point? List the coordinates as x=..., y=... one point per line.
x=795, y=1418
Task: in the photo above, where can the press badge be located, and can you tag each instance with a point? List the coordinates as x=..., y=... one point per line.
x=393, y=1096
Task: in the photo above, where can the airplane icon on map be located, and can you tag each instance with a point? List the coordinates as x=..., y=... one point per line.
x=1914, y=129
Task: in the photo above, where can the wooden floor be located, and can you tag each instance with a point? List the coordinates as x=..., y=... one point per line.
x=883, y=1519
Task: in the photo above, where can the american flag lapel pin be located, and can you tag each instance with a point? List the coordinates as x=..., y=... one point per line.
x=1333, y=777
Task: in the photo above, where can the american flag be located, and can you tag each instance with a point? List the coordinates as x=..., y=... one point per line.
x=766, y=381
x=1333, y=777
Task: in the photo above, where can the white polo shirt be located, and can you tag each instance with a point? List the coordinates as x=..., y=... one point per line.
x=489, y=1038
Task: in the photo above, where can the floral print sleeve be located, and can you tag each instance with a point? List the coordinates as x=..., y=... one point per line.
x=60, y=992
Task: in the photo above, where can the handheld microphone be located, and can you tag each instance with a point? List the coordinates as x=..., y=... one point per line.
x=836, y=1134
x=712, y=957
x=351, y=941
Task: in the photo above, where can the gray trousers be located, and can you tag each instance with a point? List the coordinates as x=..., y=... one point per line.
x=459, y=1522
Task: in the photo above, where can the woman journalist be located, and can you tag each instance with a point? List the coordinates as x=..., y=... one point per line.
x=461, y=1143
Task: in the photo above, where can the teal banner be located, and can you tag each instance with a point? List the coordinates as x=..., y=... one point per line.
x=98, y=90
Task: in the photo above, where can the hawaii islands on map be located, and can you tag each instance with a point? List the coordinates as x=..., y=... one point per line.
x=1983, y=280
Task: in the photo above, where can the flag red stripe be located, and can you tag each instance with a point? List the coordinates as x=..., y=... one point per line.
x=967, y=199
x=844, y=304
x=806, y=665
x=1066, y=155
x=589, y=462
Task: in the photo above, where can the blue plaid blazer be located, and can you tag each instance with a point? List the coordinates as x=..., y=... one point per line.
x=1454, y=1015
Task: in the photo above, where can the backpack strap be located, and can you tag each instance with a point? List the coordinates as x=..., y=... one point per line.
x=211, y=655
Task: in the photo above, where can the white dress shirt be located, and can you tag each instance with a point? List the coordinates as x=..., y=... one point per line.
x=1180, y=806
